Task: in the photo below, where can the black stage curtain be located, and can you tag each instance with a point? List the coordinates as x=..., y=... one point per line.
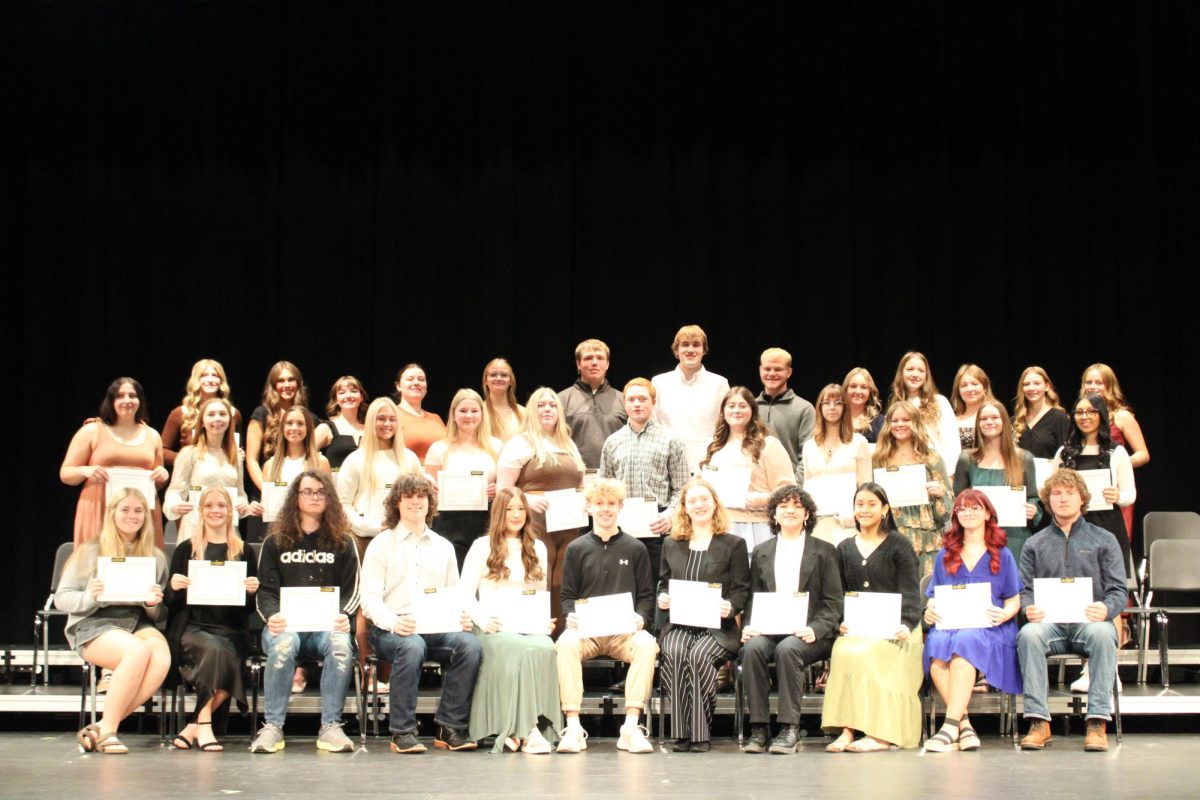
x=355, y=185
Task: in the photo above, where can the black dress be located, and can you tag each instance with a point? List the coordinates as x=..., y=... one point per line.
x=1111, y=519
x=1047, y=435
x=209, y=644
x=339, y=447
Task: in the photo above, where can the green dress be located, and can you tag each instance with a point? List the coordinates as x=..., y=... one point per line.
x=517, y=685
x=968, y=474
x=923, y=525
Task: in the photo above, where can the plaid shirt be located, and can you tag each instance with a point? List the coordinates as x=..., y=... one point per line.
x=652, y=463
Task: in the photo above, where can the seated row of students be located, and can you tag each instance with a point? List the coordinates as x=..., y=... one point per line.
x=872, y=686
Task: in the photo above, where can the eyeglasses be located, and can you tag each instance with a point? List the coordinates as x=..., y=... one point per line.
x=313, y=494
x=1090, y=412
x=972, y=510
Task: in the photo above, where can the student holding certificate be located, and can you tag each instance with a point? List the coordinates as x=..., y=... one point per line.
x=1100, y=379
x=339, y=435
x=211, y=460
x=466, y=461
x=793, y=561
x=120, y=437
x=185, y=422
x=873, y=683
x=863, y=405
x=209, y=643
x=914, y=383
x=119, y=636
x=1038, y=418
x=903, y=442
x=543, y=458
x=605, y=563
x=363, y=482
x=996, y=461
x=309, y=545
x=1070, y=547
x=834, y=450
x=973, y=552
x=406, y=563
x=700, y=550
x=421, y=428
x=516, y=693
x=743, y=465
x=506, y=415
x=283, y=389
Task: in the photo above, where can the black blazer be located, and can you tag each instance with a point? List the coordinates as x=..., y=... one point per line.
x=725, y=562
x=820, y=576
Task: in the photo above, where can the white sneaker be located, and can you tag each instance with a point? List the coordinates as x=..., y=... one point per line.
x=1083, y=684
x=634, y=739
x=572, y=740
x=536, y=744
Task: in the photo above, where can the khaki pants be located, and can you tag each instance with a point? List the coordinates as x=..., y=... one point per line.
x=638, y=650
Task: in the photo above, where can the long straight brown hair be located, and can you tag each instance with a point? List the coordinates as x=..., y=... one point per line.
x=498, y=538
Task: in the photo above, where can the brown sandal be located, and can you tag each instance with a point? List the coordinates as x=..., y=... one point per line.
x=87, y=736
x=110, y=745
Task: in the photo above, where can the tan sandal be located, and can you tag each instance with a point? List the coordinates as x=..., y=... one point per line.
x=868, y=744
x=87, y=736
x=110, y=745
x=839, y=744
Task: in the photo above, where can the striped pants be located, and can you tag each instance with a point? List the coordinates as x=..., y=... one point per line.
x=689, y=680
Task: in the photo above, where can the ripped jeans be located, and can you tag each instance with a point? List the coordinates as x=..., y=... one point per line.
x=337, y=651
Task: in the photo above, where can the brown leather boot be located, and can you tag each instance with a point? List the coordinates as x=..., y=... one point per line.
x=1096, y=739
x=1038, y=736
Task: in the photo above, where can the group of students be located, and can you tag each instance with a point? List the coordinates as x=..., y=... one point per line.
x=362, y=489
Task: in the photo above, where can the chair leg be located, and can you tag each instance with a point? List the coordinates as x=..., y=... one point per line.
x=359, y=697
x=255, y=672
x=1164, y=666
x=1117, y=704
x=739, y=691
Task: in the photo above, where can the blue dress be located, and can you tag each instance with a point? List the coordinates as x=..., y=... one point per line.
x=992, y=651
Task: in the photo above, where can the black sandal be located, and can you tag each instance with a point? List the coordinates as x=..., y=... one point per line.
x=181, y=742
x=214, y=746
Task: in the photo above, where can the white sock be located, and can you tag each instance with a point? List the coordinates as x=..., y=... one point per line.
x=631, y=719
x=573, y=723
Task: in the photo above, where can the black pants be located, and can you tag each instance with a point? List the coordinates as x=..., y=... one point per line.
x=791, y=655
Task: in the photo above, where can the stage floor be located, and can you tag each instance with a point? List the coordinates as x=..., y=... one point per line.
x=51, y=766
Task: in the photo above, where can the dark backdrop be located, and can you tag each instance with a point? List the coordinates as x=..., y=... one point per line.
x=355, y=185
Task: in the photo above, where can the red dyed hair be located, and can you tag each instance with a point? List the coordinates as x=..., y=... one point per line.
x=994, y=536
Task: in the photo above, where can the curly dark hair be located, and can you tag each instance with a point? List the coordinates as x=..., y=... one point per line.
x=406, y=485
x=1073, y=446
x=335, y=528
x=786, y=494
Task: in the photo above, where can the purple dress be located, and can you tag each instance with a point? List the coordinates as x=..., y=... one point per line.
x=992, y=651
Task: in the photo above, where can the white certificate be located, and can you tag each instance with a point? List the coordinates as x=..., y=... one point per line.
x=273, y=495
x=462, y=491
x=963, y=605
x=122, y=477
x=310, y=608
x=128, y=579
x=605, y=615
x=695, y=603
x=905, y=486
x=375, y=512
x=526, y=611
x=438, y=610
x=779, y=613
x=636, y=515
x=567, y=509
x=873, y=614
x=833, y=494
x=1063, y=599
x=1042, y=468
x=732, y=484
x=217, y=583
x=1097, y=481
x=1009, y=502
x=590, y=476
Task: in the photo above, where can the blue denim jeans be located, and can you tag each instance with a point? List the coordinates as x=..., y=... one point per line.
x=336, y=649
x=1096, y=640
x=461, y=651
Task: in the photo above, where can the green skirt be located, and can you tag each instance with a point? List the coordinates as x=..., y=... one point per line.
x=873, y=687
x=517, y=688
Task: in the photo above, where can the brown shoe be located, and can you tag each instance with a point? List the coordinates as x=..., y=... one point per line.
x=1038, y=736
x=1096, y=739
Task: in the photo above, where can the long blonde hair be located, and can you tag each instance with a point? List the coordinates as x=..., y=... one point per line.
x=536, y=436
x=975, y=371
x=886, y=446
x=274, y=466
x=234, y=544
x=483, y=438
x=192, y=398
x=1112, y=389
x=272, y=401
x=874, y=403
x=110, y=541
x=681, y=524
x=370, y=446
x=1021, y=405
x=510, y=397
x=927, y=413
